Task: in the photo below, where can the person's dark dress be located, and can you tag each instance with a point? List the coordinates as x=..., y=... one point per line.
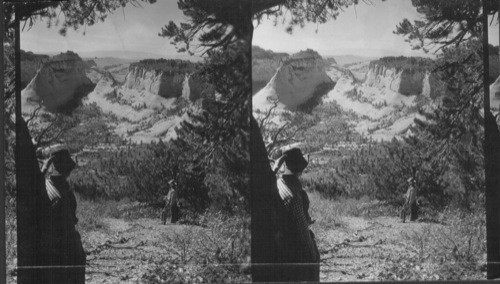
x=61, y=243
x=302, y=250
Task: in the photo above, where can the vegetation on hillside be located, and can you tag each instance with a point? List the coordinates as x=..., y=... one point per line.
x=30, y=63
x=407, y=64
x=260, y=53
x=167, y=66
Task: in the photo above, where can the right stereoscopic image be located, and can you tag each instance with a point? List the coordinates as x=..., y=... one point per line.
x=382, y=139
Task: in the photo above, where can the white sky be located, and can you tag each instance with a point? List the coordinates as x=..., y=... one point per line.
x=129, y=29
x=360, y=30
x=365, y=29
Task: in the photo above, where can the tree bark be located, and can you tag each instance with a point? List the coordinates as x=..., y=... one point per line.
x=32, y=201
x=268, y=217
x=492, y=168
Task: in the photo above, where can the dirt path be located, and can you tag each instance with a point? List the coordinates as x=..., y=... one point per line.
x=125, y=249
x=362, y=248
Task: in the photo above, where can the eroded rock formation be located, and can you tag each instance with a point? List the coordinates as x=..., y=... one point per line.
x=295, y=81
x=58, y=82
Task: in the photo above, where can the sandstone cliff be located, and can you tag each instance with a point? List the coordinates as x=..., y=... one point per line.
x=30, y=63
x=407, y=76
x=155, y=82
x=495, y=96
x=165, y=78
x=264, y=66
x=58, y=82
x=295, y=81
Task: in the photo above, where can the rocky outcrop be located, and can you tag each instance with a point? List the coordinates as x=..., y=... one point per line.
x=155, y=82
x=264, y=66
x=166, y=84
x=495, y=96
x=58, y=82
x=30, y=63
x=262, y=72
x=404, y=78
x=295, y=81
x=90, y=64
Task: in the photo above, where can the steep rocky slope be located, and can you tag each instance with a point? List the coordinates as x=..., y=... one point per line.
x=495, y=96
x=155, y=82
x=59, y=81
x=295, y=81
x=387, y=101
x=30, y=63
x=153, y=99
x=264, y=66
x=405, y=76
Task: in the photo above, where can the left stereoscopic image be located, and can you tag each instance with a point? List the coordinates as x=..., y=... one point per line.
x=127, y=131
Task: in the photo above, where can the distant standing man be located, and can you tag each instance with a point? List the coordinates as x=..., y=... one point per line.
x=172, y=202
x=410, y=201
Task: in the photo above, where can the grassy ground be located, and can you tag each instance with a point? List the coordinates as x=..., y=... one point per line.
x=126, y=242
x=365, y=240
x=129, y=239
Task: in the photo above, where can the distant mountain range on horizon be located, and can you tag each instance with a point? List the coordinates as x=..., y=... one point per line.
x=349, y=56
x=126, y=55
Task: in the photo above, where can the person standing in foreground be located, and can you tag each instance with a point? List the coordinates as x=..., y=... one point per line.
x=410, y=201
x=172, y=202
x=60, y=241
x=299, y=244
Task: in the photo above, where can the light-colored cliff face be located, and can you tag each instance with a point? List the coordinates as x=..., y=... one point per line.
x=159, y=83
x=56, y=83
x=295, y=82
x=386, y=101
x=155, y=82
x=404, y=81
x=495, y=96
x=386, y=78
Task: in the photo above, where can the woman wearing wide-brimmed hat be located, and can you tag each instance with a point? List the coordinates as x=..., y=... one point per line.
x=299, y=242
x=60, y=241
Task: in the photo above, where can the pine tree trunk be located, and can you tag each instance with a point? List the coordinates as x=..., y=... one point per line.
x=30, y=205
x=492, y=165
x=268, y=217
x=492, y=169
